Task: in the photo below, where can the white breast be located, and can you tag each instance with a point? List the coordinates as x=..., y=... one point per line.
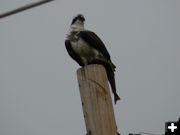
x=85, y=51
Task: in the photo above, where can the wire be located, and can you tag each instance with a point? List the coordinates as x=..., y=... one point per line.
x=28, y=6
x=147, y=133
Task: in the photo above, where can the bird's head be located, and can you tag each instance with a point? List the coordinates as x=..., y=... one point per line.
x=78, y=20
x=77, y=24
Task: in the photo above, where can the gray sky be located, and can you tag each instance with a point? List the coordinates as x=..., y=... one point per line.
x=39, y=94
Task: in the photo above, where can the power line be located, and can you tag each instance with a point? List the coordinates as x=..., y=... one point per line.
x=28, y=6
x=147, y=133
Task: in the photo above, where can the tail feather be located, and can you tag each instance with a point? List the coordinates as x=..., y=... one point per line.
x=111, y=78
x=110, y=68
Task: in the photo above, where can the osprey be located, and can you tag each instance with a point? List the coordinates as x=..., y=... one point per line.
x=85, y=47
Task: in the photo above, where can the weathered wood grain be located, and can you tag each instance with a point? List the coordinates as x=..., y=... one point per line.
x=96, y=100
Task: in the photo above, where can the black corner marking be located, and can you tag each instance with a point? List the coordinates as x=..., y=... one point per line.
x=172, y=127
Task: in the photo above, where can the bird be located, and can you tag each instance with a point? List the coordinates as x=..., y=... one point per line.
x=86, y=48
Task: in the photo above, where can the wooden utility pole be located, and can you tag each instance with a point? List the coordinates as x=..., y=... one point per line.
x=96, y=100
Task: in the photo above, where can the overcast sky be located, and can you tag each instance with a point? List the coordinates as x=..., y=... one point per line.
x=39, y=93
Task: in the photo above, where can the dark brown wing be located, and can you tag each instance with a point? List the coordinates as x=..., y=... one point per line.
x=94, y=41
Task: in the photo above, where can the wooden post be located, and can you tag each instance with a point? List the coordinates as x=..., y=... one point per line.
x=96, y=100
